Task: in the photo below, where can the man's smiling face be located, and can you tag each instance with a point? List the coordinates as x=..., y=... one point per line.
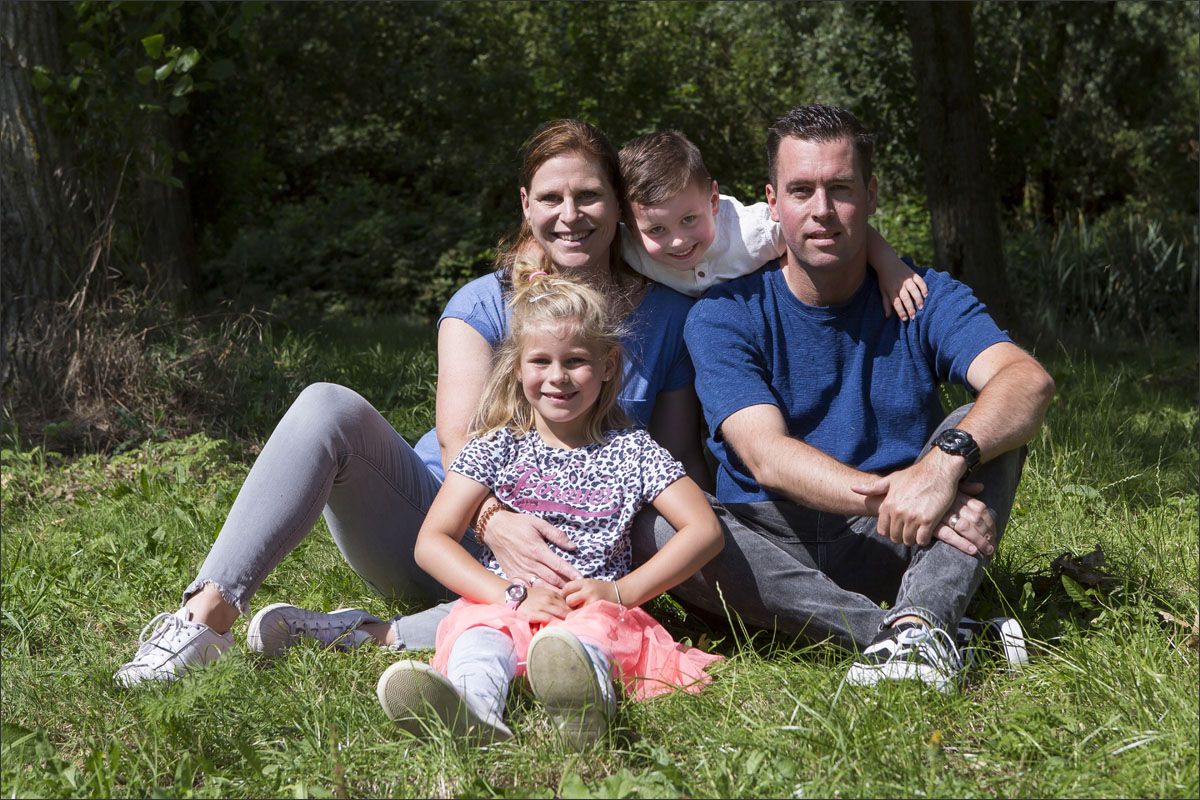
x=821, y=202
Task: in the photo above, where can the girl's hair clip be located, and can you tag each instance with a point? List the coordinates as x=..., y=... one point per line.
x=539, y=272
x=542, y=296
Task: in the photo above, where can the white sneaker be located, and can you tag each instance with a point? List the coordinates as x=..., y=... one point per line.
x=279, y=626
x=169, y=646
x=1000, y=633
x=909, y=651
x=416, y=696
x=564, y=679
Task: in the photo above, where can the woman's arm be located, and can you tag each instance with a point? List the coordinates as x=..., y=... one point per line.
x=464, y=363
x=697, y=539
x=439, y=552
x=675, y=424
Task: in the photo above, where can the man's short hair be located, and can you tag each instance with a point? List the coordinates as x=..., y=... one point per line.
x=657, y=166
x=820, y=123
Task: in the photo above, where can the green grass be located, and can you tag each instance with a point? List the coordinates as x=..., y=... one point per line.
x=93, y=547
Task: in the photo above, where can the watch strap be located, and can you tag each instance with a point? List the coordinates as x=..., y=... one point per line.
x=958, y=442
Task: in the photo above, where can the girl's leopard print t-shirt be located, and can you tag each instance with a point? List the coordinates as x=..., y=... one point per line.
x=590, y=493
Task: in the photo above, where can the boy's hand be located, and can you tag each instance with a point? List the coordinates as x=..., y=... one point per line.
x=589, y=590
x=543, y=604
x=906, y=298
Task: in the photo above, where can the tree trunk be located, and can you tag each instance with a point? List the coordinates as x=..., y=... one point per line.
x=46, y=216
x=168, y=241
x=955, y=144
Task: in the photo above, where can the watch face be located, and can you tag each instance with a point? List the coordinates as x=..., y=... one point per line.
x=954, y=438
x=516, y=593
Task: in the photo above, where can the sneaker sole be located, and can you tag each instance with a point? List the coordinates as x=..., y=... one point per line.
x=866, y=675
x=562, y=678
x=417, y=698
x=263, y=637
x=1012, y=641
x=1002, y=633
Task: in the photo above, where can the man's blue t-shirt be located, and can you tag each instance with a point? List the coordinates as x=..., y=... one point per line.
x=852, y=383
x=656, y=358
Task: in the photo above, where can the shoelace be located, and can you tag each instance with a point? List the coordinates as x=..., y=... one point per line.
x=320, y=628
x=161, y=627
x=934, y=639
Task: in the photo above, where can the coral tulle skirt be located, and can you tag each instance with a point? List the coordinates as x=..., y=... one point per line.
x=648, y=661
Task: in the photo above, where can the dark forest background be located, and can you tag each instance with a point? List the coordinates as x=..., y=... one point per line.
x=188, y=185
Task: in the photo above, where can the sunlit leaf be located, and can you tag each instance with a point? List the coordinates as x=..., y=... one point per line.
x=183, y=86
x=188, y=59
x=154, y=44
x=165, y=70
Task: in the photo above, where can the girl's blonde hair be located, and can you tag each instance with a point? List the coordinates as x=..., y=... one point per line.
x=538, y=298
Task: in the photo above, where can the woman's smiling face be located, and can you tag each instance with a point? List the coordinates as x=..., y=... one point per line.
x=573, y=212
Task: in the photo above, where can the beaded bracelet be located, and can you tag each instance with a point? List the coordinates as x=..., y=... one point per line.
x=483, y=521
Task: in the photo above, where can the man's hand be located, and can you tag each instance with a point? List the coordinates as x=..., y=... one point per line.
x=913, y=501
x=969, y=524
x=519, y=542
x=543, y=604
x=588, y=590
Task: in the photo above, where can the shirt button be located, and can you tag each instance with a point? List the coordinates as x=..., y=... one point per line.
x=701, y=274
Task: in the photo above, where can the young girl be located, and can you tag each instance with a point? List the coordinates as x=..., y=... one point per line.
x=551, y=441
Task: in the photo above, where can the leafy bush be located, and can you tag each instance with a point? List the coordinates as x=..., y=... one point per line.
x=1124, y=275
x=362, y=247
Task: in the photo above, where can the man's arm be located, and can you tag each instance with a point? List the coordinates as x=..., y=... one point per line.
x=1013, y=395
x=792, y=468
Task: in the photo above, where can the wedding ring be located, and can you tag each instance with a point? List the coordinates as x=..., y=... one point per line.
x=954, y=521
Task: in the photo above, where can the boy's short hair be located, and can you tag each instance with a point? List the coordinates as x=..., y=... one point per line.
x=657, y=166
x=820, y=123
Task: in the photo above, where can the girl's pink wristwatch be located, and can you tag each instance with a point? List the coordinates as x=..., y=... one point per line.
x=516, y=593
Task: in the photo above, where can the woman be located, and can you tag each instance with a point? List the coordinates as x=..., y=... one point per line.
x=333, y=451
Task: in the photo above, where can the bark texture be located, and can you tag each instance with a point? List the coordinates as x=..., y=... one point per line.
x=44, y=210
x=955, y=143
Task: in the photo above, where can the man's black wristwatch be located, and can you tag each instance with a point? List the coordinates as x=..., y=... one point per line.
x=958, y=442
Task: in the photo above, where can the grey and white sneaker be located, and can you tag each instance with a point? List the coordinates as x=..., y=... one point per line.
x=909, y=652
x=279, y=626
x=564, y=678
x=1001, y=634
x=169, y=646
x=417, y=697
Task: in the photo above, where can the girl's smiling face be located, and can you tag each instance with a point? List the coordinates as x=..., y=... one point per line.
x=573, y=212
x=561, y=376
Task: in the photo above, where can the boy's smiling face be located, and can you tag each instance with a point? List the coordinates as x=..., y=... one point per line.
x=680, y=231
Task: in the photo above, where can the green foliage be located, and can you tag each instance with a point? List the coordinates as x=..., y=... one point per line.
x=1122, y=277
x=1076, y=130
x=359, y=247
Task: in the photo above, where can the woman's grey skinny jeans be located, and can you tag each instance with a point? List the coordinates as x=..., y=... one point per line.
x=334, y=453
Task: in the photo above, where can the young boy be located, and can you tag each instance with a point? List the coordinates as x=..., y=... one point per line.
x=681, y=232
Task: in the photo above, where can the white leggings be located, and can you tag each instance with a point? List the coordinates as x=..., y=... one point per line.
x=483, y=663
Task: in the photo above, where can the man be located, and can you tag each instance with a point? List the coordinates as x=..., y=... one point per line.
x=845, y=488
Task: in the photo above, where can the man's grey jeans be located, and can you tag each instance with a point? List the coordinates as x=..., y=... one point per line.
x=821, y=576
x=333, y=453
